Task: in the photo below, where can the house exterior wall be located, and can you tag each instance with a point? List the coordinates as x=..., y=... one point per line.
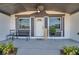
x=71, y=23
x=67, y=25
x=66, y=22
x=12, y=22
x=74, y=26
x=4, y=26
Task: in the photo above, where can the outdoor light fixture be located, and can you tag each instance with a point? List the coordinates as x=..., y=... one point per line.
x=38, y=11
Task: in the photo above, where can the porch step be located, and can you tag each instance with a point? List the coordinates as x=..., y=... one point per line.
x=23, y=51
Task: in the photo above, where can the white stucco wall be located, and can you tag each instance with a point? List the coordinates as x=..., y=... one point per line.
x=12, y=22
x=4, y=26
x=66, y=21
x=74, y=26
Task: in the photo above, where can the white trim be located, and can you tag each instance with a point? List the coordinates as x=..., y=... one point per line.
x=53, y=38
x=62, y=26
x=30, y=27
x=50, y=38
x=48, y=26
x=23, y=18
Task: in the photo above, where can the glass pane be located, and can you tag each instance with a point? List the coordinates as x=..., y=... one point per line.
x=24, y=23
x=54, y=26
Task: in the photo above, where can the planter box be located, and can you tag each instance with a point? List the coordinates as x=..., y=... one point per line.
x=0, y=52
x=61, y=52
x=14, y=52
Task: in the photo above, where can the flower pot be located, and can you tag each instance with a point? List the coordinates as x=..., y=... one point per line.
x=61, y=52
x=0, y=52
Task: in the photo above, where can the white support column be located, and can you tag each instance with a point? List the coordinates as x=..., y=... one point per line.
x=30, y=26
x=48, y=26
x=62, y=20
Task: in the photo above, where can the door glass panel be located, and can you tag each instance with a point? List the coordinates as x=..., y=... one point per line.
x=55, y=26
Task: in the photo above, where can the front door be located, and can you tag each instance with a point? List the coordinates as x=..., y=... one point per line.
x=39, y=27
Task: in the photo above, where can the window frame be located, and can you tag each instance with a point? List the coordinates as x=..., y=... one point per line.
x=24, y=29
x=61, y=26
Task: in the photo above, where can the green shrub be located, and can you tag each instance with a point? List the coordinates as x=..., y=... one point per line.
x=9, y=48
x=2, y=46
x=72, y=50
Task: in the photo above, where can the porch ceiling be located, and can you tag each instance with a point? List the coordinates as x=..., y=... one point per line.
x=12, y=8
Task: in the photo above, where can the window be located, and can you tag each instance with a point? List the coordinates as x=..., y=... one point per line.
x=23, y=26
x=55, y=26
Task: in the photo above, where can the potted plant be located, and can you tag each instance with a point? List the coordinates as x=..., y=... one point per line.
x=72, y=50
x=2, y=46
x=7, y=49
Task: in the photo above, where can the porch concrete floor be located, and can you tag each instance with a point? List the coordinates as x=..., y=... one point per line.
x=41, y=47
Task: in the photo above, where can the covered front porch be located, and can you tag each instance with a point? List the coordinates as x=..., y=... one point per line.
x=49, y=27
x=36, y=20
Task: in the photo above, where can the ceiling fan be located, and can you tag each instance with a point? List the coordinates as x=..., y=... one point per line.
x=40, y=8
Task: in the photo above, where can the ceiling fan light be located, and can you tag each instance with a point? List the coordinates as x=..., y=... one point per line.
x=38, y=11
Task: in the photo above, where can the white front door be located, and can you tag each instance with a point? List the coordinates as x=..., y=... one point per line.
x=39, y=27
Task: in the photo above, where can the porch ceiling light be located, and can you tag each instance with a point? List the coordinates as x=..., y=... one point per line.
x=38, y=11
